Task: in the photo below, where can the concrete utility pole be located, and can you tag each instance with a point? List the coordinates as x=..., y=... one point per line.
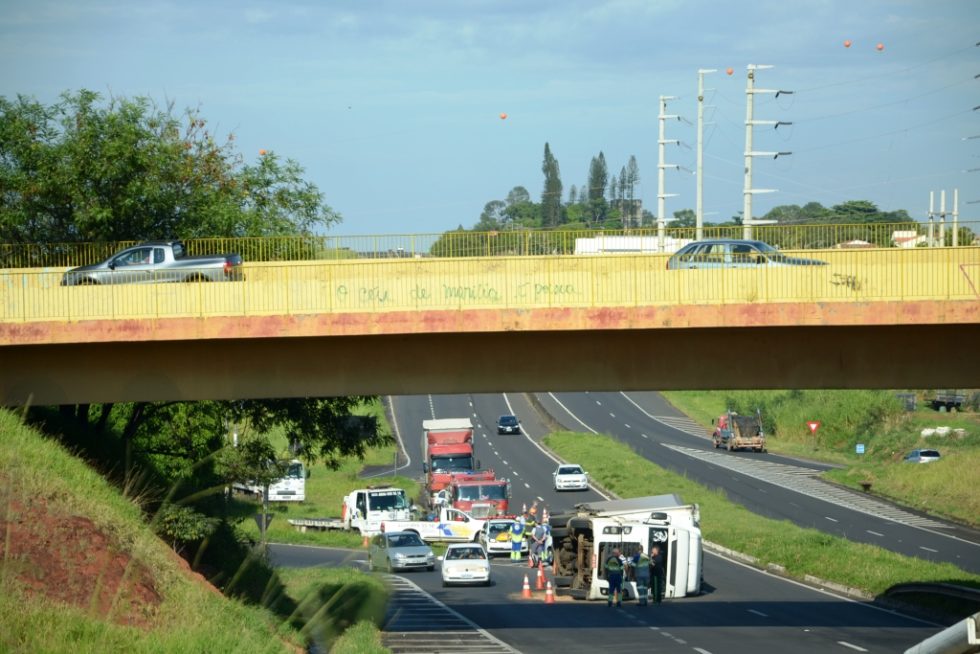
x=932, y=214
x=699, y=223
x=942, y=218
x=956, y=217
x=750, y=122
x=661, y=166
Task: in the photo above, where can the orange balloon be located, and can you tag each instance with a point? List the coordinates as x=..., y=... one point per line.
x=847, y=43
x=261, y=151
x=729, y=70
x=880, y=47
x=503, y=116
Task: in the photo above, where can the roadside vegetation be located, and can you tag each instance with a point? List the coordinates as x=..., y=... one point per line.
x=800, y=551
x=878, y=421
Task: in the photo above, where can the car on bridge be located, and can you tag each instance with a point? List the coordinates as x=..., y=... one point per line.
x=154, y=262
x=733, y=253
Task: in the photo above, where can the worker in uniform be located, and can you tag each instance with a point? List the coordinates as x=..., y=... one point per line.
x=641, y=570
x=657, y=573
x=614, y=576
x=516, y=538
x=530, y=521
x=539, y=541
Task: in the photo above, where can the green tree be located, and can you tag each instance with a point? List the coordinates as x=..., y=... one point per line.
x=598, y=180
x=84, y=169
x=551, y=208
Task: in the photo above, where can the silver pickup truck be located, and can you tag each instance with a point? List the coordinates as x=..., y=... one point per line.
x=154, y=262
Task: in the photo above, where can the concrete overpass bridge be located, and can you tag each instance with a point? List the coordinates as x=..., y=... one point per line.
x=871, y=318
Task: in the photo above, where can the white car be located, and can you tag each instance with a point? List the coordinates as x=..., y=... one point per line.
x=496, y=537
x=465, y=563
x=570, y=476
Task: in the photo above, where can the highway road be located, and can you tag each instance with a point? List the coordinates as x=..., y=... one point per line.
x=741, y=610
x=767, y=484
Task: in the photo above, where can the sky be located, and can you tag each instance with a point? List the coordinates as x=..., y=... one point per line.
x=393, y=107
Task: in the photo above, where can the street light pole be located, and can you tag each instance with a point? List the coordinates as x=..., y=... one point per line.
x=699, y=223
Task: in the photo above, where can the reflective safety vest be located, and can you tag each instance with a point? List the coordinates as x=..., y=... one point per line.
x=643, y=561
x=613, y=564
x=516, y=530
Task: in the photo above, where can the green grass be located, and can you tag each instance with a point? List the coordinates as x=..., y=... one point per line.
x=341, y=607
x=36, y=472
x=801, y=551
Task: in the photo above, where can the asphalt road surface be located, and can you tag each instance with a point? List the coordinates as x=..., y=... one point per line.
x=741, y=610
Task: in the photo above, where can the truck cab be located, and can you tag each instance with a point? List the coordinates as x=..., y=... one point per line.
x=366, y=508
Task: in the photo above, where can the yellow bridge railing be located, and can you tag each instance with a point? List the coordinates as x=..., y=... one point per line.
x=445, y=284
x=506, y=243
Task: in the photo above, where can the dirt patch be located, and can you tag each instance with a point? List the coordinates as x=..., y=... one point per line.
x=71, y=560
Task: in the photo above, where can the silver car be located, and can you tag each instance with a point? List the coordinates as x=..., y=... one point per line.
x=400, y=550
x=733, y=253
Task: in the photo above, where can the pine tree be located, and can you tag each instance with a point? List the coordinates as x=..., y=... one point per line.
x=551, y=208
x=598, y=179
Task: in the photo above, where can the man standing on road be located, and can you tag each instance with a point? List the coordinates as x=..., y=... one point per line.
x=516, y=538
x=641, y=567
x=657, y=573
x=539, y=537
x=614, y=576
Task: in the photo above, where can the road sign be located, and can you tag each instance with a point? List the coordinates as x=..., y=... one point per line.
x=859, y=448
x=814, y=425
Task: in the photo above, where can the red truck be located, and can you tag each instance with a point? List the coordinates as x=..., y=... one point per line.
x=480, y=494
x=448, y=448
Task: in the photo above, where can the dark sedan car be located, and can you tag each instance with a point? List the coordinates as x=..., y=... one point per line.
x=733, y=253
x=508, y=425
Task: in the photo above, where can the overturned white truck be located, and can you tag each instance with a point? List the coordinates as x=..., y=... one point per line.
x=585, y=538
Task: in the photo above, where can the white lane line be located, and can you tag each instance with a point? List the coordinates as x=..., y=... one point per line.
x=701, y=651
x=540, y=499
x=527, y=485
x=598, y=402
x=928, y=549
x=566, y=409
x=505, y=462
x=854, y=647
x=612, y=415
x=759, y=613
x=875, y=533
x=644, y=436
x=515, y=473
x=627, y=426
x=829, y=518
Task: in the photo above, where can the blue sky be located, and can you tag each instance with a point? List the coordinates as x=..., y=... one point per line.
x=392, y=107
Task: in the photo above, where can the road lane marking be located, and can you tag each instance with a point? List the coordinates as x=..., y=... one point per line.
x=854, y=647
x=759, y=613
x=831, y=519
x=874, y=533
x=627, y=426
x=612, y=415
x=928, y=549
x=644, y=436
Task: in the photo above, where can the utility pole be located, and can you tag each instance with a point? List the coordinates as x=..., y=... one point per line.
x=750, y=122
x=661, y=166
x=699, y=223
x=942, y=218
x=956, y=217
x=931, y=216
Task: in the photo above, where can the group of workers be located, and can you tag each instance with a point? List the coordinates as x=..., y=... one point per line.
x=646, y=569
x=527, y=527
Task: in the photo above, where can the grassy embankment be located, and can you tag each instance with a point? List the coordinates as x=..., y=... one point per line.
x=81, y=571
x=875, y=419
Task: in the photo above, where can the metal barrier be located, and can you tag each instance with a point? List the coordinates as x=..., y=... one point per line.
x=434, y=284
x=508, y=243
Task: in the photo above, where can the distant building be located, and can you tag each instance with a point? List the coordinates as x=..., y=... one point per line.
x=628, y=245
x=855, y=244
x=908, y=239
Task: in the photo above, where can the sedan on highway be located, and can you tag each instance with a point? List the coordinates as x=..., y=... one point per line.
x=733, y=253
x=400, y=550
x=508, y=425
x=465, y=563
x=570, y=476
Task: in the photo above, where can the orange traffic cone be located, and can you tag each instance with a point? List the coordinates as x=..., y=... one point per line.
x=530, y=563
x=549, y=595
x=364, y=543
x=526, y=591
x=539, y=584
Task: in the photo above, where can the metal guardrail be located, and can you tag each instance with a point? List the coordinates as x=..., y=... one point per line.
x=506, y=243
x=444, y=284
